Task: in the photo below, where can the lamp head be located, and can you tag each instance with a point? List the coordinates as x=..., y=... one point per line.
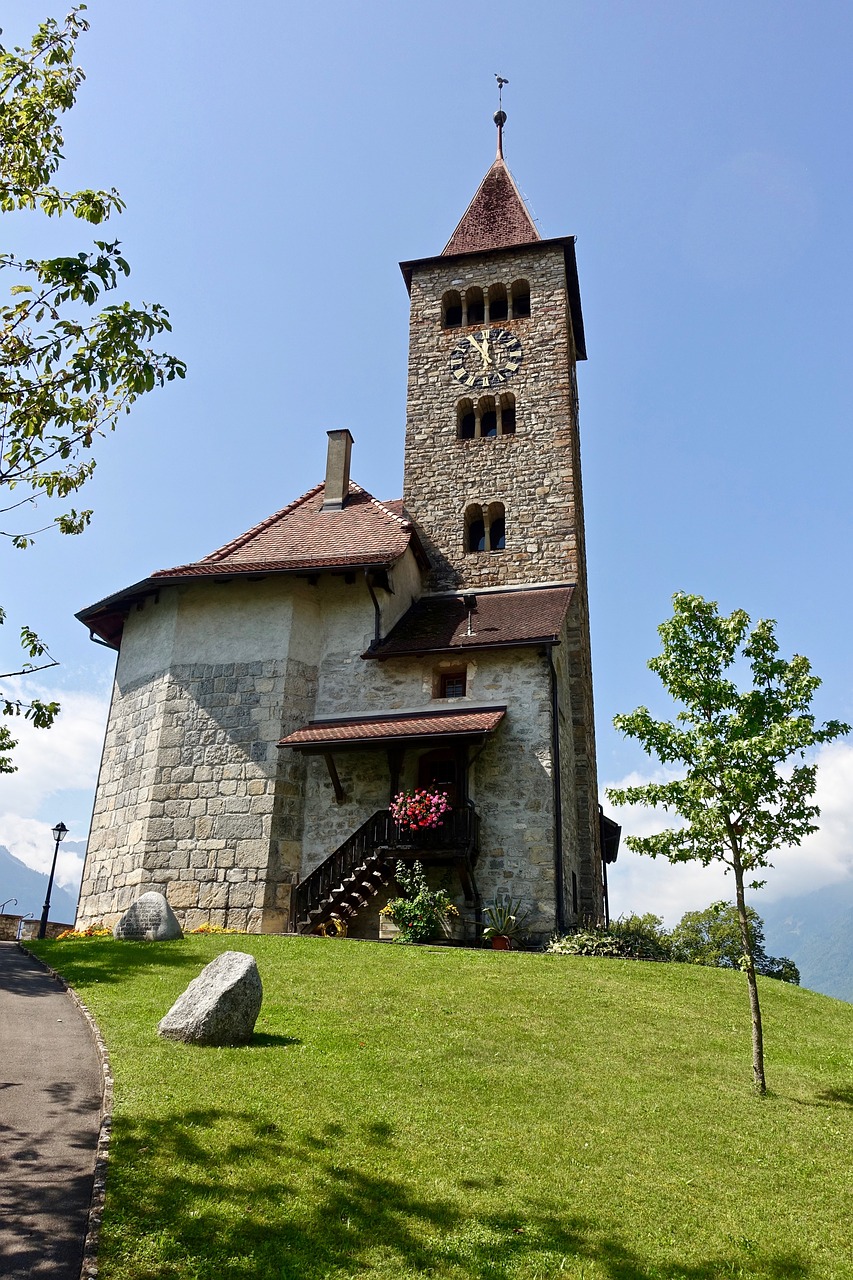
x=60, y=831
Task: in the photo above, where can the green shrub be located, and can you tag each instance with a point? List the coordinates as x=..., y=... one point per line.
x=420, y=913
x=629, y=938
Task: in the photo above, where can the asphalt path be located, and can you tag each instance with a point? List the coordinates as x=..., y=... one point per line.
x=50, y=1106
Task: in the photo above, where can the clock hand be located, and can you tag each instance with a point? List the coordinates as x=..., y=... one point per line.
x=484, y=350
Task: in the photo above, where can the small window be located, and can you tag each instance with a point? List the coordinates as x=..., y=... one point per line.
x=477, y=536
x=485, y=532
x=476, y=306
x=496, y=527
x=466, y=424
x=451, y=684
x=488, y=417
x=520, y=299
x=507, y=406
x=475, y=529
x=498, y=305
x=451, y=310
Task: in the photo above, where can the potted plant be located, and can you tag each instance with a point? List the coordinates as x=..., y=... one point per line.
x=419, y=810
x=504, y=920
x=420, y=913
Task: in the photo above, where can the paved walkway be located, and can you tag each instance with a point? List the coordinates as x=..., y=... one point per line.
x=50, y=1100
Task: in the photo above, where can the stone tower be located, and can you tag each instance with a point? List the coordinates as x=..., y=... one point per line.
x=492, y=478
x=492, y=471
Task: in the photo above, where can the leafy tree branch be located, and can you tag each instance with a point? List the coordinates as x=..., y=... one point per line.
x=70, y=363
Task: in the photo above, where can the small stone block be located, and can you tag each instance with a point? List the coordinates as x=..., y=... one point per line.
x=149, y=919
x=220, y=1006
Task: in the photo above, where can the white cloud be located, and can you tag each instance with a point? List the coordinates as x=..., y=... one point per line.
x=31, y=842
x=645, y=884
x=62, y=761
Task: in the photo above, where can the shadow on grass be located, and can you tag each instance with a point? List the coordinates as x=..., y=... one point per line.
x=105, y=960
x=221, y=1193
x=840, y=1097
x=266, y=1040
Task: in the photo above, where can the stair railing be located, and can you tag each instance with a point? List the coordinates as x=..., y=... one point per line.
x=459, y=831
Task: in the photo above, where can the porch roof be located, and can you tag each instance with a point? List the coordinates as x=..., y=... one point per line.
x=395, y=727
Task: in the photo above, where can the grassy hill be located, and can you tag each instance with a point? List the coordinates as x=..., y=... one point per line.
x=410, y=1112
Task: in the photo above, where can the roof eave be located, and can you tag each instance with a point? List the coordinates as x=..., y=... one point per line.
x=121, y=602
x=464, y=648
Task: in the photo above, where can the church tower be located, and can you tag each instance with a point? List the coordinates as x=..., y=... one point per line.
x=492, y=478
x=492, y=469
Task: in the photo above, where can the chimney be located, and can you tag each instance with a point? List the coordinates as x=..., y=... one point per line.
x=337, y=470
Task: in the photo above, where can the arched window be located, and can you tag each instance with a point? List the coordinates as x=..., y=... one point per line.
x=466, y=423
x=485, y=533
x=451, y=310
x=497, y=527
x=520, y=299
x=507, y=414
x=498, y=304
x=476, y=307
x=475, y=529
x=488, y=416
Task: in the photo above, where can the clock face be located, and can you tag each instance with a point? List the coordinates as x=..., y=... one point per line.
x=486, y=358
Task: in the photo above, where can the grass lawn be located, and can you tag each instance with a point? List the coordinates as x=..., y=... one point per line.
x=413, y=1111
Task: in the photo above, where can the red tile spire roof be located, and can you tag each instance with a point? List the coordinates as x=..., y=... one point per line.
x=497, y=217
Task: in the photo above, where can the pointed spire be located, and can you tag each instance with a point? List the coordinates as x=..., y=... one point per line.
x=497, y=217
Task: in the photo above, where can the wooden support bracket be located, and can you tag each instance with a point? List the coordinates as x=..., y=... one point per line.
x=340, y=795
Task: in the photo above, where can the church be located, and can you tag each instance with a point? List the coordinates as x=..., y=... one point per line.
x=273, y=698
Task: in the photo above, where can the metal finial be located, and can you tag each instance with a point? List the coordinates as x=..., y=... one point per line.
x=500, y=115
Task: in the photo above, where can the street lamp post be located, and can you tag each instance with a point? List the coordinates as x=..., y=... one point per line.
x=60, y=831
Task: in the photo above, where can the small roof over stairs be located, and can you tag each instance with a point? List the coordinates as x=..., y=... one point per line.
x=395, y=727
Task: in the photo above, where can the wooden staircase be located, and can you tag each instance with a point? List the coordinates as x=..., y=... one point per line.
x=349, y=878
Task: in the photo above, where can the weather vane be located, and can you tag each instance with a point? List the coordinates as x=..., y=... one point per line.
x=500, y=115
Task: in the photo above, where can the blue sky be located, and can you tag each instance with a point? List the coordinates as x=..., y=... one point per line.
x=279, y=162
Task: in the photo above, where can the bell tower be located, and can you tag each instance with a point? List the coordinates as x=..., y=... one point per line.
x=492, y=459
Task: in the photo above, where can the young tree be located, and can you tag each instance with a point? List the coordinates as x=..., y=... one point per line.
x=713, y=937
x=746, y=788
x=67, y=369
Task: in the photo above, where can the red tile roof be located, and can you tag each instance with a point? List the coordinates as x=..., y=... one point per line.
x=505, y=618
x=303, y=536
x=395, y=727
x=300, y=538
x=496, y=218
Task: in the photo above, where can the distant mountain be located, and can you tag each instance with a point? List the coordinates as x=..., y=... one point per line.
x=816, y=931
x=17, y=880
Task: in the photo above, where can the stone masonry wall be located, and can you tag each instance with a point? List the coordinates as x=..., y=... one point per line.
x=194, y=798
x=218, y=821
x=510, y=782
x=533, y=473
x=113, y=872
x=579, y=774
